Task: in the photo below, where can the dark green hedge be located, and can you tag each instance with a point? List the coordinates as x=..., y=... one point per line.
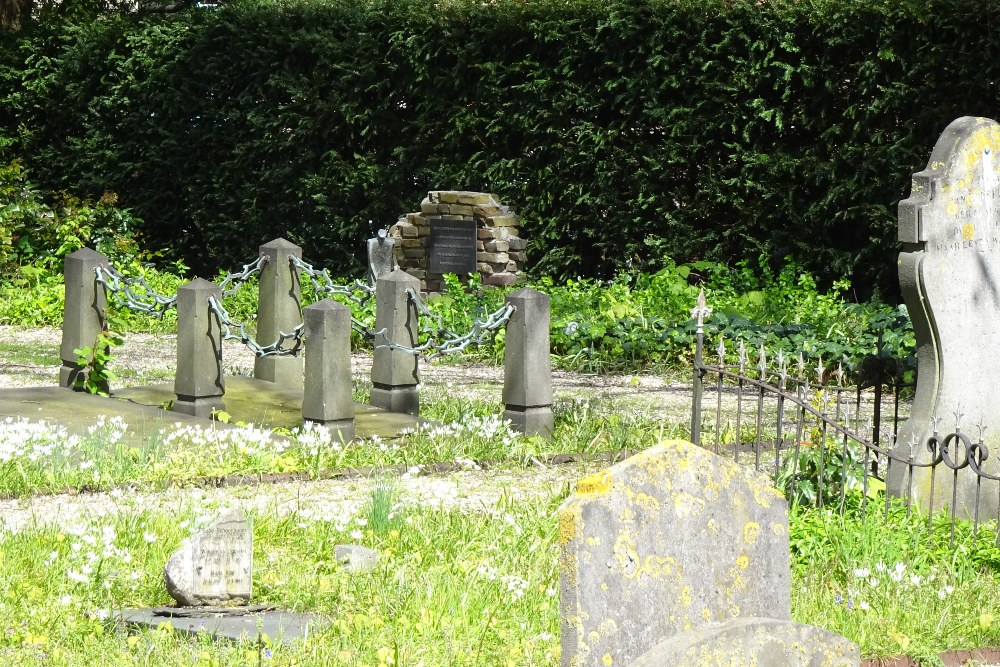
x=626, y=130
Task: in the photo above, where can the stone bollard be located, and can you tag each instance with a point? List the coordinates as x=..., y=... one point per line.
x=394, y=372
x=279, y=310
x=527, y=377
x=85, y=313
x=199, y=383
x=327, y=397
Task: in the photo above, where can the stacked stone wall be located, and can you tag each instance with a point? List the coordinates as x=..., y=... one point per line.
x=500, y=250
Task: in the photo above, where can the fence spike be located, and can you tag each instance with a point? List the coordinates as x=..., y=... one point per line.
x=840, y=374
x=802, y=364
x=742, y=356
x=958, y=419
x=935, y=423
x=722, y=352
x=819, y=370
x=701, y=311
x=763, y=362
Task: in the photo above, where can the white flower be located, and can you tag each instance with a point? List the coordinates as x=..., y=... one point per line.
x=149, y=537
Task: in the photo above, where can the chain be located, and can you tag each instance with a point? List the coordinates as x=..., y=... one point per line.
x=274, y=349
x=146, y=300
x=242, y=276
x=482, y=331
x=324, y=286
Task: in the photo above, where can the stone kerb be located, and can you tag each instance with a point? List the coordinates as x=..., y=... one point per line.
x=85, y=311
x=199, y=383
x=665, y=542
x=279, y=311
x=949, y=272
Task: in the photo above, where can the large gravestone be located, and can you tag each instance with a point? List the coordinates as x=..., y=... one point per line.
x=949, y=272
x=665, y=542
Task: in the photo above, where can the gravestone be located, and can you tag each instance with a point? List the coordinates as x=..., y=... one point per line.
x=766, y=642
x=210, y=577
x=452, y=246
x=381, y=256
x=214, y=566
x=665, y=542
x=949, y=272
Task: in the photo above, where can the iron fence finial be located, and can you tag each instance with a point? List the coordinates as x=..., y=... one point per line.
x=701, y=311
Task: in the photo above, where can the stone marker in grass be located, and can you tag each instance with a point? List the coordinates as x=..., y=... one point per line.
x=667, y=542
x=213, y=567
x=210, y=578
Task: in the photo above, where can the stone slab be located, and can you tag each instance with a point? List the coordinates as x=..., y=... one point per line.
x=277, y=625
x=754, y=641
x=949, y=274
x=665, y=542
x=247, y=400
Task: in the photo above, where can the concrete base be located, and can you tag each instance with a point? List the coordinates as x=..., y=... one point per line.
x=342, y=429
x=68, y=375
x=403, y=399
x=531, y=421
x=198, y=407
x=284, y=371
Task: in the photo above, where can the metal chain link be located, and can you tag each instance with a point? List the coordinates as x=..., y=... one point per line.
x=239, y=277
x=274, y=349
x=482, y=331
x=323, y=285
x=121, y=287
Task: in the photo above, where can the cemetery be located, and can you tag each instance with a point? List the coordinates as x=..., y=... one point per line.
x=506, y=334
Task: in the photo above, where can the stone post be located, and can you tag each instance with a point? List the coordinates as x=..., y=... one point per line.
x=279, y=310
x=85, y=313
x=527, y=377
x=381, y=256
x=394, y=372
x=327, y=397
x=199, y=383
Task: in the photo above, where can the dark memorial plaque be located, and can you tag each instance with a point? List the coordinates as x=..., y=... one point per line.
x=453, y=246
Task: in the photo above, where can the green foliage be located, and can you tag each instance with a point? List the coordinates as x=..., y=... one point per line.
x=626, y=132
x=95, y=361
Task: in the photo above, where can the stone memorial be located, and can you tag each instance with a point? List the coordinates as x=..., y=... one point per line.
x=666, y=542
x=452, y=246
x=213, y=567
x=210, y=577
x=381, y=256
x=949, y=272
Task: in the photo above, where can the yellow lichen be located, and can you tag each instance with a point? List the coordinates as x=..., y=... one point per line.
x=751, y=530
x=742, y=561
x=594, y=485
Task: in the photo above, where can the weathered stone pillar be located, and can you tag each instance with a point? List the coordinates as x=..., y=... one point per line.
x=527, y=377
x=85, y=312
x=199, y=383
x=381, y=256
x=394, y=372
x=327, y=398
x=279, y=310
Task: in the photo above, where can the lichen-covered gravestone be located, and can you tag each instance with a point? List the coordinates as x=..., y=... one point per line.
x=667, y=541
x=949, y=272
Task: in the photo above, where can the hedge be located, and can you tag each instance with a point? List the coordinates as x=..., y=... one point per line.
x=625, y=130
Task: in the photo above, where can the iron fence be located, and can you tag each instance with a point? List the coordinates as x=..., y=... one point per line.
x=827, y=442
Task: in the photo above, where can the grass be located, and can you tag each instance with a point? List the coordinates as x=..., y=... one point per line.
x=450, y=588
x=35, y=354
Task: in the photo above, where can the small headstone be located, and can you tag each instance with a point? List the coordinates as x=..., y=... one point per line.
x=665, y=542
x=213, y=567
x=381, y=256
x=949, y=272
x=753, y=641
x=355, y=558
